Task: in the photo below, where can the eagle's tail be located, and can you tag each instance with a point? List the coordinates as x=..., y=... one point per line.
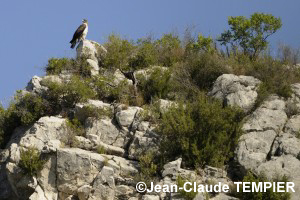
x=73, y=44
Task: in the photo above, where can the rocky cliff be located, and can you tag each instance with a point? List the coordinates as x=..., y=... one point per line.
x=105, y=162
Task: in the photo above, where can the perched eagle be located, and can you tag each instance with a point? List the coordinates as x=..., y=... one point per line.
x=80, y=33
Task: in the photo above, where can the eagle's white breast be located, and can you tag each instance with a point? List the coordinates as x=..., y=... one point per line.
x=85, y=32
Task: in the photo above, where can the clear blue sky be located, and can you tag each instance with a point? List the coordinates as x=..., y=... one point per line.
x=34, y=31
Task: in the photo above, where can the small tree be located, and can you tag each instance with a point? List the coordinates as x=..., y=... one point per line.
x=250, y=34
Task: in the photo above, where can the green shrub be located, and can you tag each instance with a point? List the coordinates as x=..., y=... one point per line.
x=101, y=150
x=151, y=112
x=103, y=85
x=30, y=108
x=202, y=132
x=30, y=161
x=119, y=51
x=73, y=128
x=148, y=168
x=203, y=69
x=76, y=127
x=169, y=50
x=269, y=194
x=92, y=111
x=24, y=111
x=186, y=195
x=107, y=90
x=156, y=85
x=276, y=78
x=77, y=66
x=145, y=56
x=67, y=95
x=57, y=65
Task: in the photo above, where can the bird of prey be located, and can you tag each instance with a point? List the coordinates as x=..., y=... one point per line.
x=80, y=33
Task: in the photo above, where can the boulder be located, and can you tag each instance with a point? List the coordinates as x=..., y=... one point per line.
x=84, y=192
x=47, y=179
x=126, y=117
x=293, y=125
x=38, y=194
x=286, y=165
x=253, y=148
x=286, y=144
x=124, y=191
x=148, y=71
x=75, y=168
x=236, y=90
x=44, y=130
x=22, y=185
x=269, y=116
x=107, y=132
x=119, y=77
x=172, y=168
x=34, y=85
x=143, y=142
x=150, y=197
x=122, y=167
x=90, y=49
x=270, y=145
x=104, y=185
x=51, y=78
x=94, y=66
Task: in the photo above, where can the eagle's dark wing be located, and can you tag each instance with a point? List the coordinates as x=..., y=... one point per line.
x=78, y=32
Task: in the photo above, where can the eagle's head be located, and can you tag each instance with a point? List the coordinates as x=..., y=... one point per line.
x=85, y=21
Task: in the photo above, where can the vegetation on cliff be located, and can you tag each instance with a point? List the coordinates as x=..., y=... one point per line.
x=201, y=130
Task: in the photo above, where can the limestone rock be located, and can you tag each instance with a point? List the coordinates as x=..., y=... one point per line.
x=107, y=132
x=44, y=130
x=90, y=49
x=150, y=197
x=94, y=66
x=84, y=143
x=122, y=166
x=38, y=194
x=286, y=144
x=47, y=179
x=34, y=85
x=124, y=191
x=147, y=72
x=76, y=167
x=126, y=117
x=293, y=125
x=143, y=142
x=119, y=77
x=236, y=90
x=84, y=192
x=286, y=165
x=172, y=168
x=82, y=109
x=51, y=78
x=22, y=186
x=253, y=148
x=269, y=116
